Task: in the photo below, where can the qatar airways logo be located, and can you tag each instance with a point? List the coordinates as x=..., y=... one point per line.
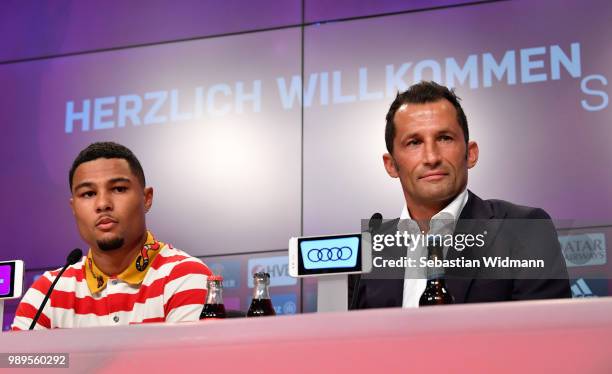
x=476, y=71
x=584, y=249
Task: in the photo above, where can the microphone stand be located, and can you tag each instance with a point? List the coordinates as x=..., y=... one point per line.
x=72, y=259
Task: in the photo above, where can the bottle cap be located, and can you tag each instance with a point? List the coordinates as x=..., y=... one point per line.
x=261, y=275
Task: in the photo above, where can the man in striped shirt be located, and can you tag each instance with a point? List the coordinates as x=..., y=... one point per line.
x=128, y=276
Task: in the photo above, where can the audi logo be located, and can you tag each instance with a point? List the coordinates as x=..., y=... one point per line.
x=329, y=254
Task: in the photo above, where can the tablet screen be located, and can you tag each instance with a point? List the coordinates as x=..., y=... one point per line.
x=329, y=254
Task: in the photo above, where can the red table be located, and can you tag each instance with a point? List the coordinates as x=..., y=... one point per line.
x=559, y=336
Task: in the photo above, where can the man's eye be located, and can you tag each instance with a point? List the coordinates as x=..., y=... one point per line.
x=120, y=189
x=446, y=138
x=413, y=142
x=88, y=194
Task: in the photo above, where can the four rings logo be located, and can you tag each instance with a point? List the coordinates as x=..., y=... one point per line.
x=329, y=254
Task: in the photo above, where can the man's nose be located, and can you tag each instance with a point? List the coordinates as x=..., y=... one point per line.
x=104, y=202
x=432, y=154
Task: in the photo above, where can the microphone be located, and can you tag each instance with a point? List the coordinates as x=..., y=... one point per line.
x=373, y=225
x=375, y=222
x=74, y=257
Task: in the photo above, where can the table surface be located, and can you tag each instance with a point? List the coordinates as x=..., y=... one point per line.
x=561, y=336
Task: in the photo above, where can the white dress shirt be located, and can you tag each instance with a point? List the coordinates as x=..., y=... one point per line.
x=414, y=287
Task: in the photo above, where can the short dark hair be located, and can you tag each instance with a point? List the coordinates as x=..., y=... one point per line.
x=107, y=150
x=421, y=93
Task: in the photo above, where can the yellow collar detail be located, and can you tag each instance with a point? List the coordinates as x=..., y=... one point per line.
x=134, y=274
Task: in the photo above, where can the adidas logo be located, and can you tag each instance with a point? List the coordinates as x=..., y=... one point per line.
x=581, y=289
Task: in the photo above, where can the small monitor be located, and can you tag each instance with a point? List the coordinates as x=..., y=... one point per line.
x=11, y=279
x=332, y=254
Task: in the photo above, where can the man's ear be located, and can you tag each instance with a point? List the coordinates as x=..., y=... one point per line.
x=390, y=165
x=472, y=154
x=148, y=196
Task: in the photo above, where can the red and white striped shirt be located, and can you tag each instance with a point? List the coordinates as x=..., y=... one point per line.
x=173, y=289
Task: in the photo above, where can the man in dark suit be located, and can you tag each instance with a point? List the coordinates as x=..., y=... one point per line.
x=430, y=152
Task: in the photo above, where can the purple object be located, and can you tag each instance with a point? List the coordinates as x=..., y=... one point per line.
x=5, y=279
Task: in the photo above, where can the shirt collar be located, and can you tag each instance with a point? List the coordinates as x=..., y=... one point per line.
x=451, y=211
x=134, y=274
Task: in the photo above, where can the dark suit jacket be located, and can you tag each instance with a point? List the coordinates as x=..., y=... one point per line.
x=511, y=230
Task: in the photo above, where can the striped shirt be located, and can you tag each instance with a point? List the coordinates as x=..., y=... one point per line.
x=173, y=289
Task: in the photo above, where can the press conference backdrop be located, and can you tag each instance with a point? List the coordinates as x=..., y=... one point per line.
x=209, y=97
